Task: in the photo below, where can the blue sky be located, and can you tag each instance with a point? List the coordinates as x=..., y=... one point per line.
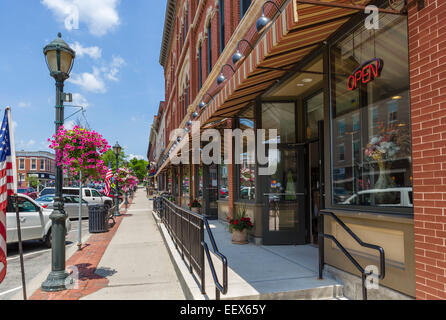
x=116, y=72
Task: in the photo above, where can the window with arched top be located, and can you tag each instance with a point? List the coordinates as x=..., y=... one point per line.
x=221, y=24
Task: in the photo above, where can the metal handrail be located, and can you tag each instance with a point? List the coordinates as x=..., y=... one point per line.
x=219, y=287
x=364, y=274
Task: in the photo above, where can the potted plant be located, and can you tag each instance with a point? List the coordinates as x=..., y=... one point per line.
x=239, y=226
x=195, y=206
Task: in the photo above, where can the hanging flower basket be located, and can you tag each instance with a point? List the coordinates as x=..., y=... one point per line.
x=79, y=151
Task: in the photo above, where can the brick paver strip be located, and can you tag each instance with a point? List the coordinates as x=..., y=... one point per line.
x=86, y=260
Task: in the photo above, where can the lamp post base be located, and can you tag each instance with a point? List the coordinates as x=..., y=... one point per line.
x=57, y=281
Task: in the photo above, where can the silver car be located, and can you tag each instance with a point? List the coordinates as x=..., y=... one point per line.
x=71, y=205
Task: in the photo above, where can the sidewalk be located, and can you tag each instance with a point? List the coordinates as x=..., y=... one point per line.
x=130, y=262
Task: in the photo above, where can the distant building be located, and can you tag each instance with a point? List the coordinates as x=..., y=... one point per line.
x=40, y=164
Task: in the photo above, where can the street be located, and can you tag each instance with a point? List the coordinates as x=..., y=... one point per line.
x=37, y=257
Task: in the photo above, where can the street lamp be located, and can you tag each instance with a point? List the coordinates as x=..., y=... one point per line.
x=59, y=59
x=117, y=151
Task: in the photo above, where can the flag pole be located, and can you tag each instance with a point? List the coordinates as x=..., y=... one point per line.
x=17, y=211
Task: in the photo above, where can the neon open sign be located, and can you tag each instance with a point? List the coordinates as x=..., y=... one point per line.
x=366, y=72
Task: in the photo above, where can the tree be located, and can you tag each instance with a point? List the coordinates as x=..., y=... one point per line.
x=139, y=167
x=33, y=181
x=109, y=156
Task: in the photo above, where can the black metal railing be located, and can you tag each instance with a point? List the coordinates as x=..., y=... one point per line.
x=364, y=273
x=186, y=228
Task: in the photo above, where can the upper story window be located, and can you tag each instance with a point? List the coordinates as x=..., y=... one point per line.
x=200, y=66
x=244, y=5
x=21, y=164
x=209, y=31
x=42, y=164
x=221, y=23
x=33, y=164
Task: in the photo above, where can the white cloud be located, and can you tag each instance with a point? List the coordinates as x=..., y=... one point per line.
x=92, y=82
x=133, y=156
x=23, y=104
x=79, y=100
x=95, y=82
x=69, y=125
x=114, y=68
x=92, y=52
x=100, y=16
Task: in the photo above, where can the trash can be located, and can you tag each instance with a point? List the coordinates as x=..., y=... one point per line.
x=97, y=215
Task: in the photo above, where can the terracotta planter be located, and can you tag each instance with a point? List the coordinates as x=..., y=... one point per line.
x=195, y=209
x=240, y=237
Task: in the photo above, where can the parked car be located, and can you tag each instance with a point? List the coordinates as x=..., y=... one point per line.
x=30, y=192
x=35, y=221
x=92, y=196
x=397, y=197
x=71, y=205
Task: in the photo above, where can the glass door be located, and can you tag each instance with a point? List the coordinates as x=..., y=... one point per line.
x=284, y=192
x=285, y=199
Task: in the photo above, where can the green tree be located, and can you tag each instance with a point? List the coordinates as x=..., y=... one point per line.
x=110, y=157
x=33, y=182
x=139, y=167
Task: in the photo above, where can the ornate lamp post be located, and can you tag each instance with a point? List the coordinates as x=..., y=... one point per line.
x=59, y=58
x=117, y=151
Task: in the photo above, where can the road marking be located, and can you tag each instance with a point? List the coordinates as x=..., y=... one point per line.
x=9, y=291
x=28, y=254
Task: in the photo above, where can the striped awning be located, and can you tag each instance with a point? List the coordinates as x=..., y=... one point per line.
x=293, y=35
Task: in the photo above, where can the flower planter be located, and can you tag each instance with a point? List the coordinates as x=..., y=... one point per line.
x=240, y=237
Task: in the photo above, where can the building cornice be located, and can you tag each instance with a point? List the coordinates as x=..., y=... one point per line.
x=169, y=23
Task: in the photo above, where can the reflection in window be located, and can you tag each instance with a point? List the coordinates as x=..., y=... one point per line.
x=224, y=182
x=186, y=184
x=371, y=165
x=247, y=171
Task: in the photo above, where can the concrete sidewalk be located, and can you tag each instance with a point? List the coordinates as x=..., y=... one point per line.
x=136, y=262
x=257, y=272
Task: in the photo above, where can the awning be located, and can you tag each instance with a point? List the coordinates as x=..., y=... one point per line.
x=293, y=35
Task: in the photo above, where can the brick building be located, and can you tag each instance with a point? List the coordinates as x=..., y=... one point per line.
x=40, y=164
x=360, y=110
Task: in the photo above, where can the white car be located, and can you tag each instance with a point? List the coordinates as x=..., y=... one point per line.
x=35, y=221
x=92, y=196
x=397, y=197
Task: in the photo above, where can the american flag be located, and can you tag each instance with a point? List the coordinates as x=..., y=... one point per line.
x=108, y=177
x=7, y=187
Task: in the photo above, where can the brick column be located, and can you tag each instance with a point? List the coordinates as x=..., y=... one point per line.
x=427, y=54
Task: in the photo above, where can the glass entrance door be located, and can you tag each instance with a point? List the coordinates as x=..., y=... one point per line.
x=211, y=190
x=285, y=199
x=284, y=192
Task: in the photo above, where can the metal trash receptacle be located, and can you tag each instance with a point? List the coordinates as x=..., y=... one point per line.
x=97, y=215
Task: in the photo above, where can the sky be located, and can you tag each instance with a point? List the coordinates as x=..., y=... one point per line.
x=116, y=74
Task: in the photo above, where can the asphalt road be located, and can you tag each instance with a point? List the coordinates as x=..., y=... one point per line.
x=37, y=257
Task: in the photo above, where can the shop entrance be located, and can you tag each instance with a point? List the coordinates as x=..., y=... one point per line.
x=210, y=190
x=294, y=194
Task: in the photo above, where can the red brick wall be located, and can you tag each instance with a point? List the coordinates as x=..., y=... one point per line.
x=427, y=54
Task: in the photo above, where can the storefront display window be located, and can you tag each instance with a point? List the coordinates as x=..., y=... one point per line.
x=247, y=172
x=371, y=141
x=224, y=182
x=185, y=186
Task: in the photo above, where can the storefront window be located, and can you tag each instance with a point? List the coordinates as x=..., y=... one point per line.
x=224, y=182
x=371, y=142
x=185, y=186
x=247, y=173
